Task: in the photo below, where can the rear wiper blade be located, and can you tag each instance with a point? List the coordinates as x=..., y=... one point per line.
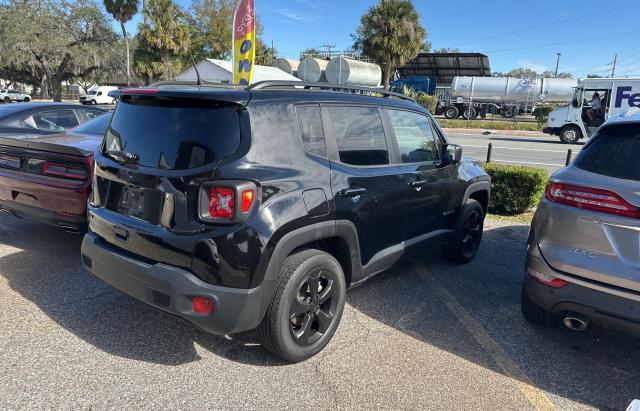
x=124, y=155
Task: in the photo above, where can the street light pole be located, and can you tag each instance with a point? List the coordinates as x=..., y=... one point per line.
x=557, y=64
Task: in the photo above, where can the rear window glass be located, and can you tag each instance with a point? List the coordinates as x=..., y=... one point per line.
x=311, y=130
x=613, y=152
x=174, y=135
x=98, y=125
x=359, y=135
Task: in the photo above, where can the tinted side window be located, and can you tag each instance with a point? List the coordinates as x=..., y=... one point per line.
x=55, y=120
x=613, y=152
x=310, y=123
x=415, y=137
x=359, y=135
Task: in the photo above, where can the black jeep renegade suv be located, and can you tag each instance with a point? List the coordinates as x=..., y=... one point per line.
x=237, y=208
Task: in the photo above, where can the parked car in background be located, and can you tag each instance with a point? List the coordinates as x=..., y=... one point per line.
x=8, y=96
x=37, y=119
x=48, y=178
x=99, y=95
x=257, y=207
x=583, y=262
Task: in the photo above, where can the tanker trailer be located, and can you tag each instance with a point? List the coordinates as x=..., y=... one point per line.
x=312, y=70
x=342, y=70
x=510, y=95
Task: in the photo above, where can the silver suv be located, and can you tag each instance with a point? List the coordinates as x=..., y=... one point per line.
x=583, y=252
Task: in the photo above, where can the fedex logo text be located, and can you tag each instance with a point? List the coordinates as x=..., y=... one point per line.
x=624, y=93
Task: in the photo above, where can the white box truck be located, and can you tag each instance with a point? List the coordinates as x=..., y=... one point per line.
x=594, y=101
x=98, y=95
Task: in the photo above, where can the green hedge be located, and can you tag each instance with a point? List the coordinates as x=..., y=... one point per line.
x=515, y=189
x=489, y=125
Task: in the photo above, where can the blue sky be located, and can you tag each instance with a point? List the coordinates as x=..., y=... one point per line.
x=588, y=33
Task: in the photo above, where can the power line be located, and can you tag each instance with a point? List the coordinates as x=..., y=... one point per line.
x=540, y=26
x=562, y=43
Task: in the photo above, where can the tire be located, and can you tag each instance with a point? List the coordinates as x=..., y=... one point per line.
x=296, y=307
x=451, y=112
x=469, y=113
x=570, y=135
x=114, y=101
x=468, y=235
x=7, y=99
x=509, y=112
x=27, y=99
x=533, y=313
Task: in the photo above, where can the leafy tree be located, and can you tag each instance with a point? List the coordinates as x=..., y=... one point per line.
x=163, y=41
x=390, y=33
x=265, y=55
x=310, y=52
x=593, y=76
x=446, y=50
x=55, y=41
x=212, y=27
x=523, y=72
x=123, y=11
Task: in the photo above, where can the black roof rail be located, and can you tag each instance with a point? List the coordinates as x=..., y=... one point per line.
x=299, y=85
x=193, y=83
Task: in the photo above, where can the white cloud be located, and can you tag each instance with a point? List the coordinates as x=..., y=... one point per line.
x=296, y=15
x=533, y=66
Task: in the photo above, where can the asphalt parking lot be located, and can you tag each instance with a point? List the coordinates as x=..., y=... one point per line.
x=426, y=334
x=536, y=151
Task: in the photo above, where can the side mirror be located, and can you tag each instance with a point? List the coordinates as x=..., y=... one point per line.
x=452, y=154
x=114, y=94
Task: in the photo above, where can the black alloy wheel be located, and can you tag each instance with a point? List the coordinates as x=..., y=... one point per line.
x=313, y=308
x=468, y=235
x=472, y=233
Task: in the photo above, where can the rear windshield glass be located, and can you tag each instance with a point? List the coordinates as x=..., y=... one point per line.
x=97, y=125
x=173, y=135
x=614, y=152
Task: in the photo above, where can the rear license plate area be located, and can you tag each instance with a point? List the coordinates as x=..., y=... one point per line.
x=143, y=204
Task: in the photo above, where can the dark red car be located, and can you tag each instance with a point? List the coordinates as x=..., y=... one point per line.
x=48, y=178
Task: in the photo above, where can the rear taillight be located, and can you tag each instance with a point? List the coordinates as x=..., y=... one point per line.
x=546, y=279
x=64, y=170
x=222, y=203
x=226, y=201
x=594, y=199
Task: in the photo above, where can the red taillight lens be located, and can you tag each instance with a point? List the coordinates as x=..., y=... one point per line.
x=66, y=171
x=222, y=202
x=594, y=199
x=546, y=279
x=247, y=200
x=202, y=305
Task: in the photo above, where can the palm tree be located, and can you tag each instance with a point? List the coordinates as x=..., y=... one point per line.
x=390, y=33
x=123, y=11
x=167, y=34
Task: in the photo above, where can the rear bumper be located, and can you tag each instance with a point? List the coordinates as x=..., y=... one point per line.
x=170, y=288
x=72, y=223
x=604, y=306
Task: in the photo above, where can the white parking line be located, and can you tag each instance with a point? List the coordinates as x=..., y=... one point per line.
x=515, y=148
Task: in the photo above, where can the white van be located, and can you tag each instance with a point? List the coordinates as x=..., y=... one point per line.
x=594, y=101
x=98, y=95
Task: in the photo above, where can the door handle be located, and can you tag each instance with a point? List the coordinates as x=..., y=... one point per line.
x=352, y=192
x=417, y=183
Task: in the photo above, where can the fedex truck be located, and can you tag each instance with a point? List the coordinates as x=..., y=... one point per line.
x=594, y=101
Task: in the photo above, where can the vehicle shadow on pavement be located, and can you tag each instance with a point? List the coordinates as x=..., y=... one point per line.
x=46, y=270
x=596, y=367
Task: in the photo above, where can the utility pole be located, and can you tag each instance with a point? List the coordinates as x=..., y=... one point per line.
x=557, y=64
x=273, y=53
x=328, y=47
x=613, y=69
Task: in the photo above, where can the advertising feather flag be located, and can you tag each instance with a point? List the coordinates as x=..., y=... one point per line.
x=244, y=42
